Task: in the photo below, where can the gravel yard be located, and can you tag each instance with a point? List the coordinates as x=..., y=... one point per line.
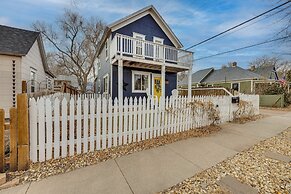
x=38, y=171
x=251, y=167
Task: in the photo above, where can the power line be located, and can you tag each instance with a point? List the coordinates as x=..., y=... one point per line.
x=243, y=27
x=245, y=47
x=253, y=18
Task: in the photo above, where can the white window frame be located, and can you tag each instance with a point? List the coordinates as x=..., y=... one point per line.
x=134, y=35
x=159, y=49
x=106, y=50
x=235, y=83
x=106, y=85
x=32, y=84
x=140, y=73
x=158, y=39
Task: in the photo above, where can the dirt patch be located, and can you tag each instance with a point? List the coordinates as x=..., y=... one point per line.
x=245, y=119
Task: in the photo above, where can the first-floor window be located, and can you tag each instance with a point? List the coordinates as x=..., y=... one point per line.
x=235, y=86
x=32, y=80
x=140, y=81
x=106, y=83
x=48, y=83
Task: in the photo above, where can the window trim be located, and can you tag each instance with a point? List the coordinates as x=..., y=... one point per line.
x=159, y=39
x=133, y=73
x=238, y=83
x=106, y=50
x=106, y=76
x=30, y=79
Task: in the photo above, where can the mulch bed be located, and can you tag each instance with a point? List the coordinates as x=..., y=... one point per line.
x=251, y=167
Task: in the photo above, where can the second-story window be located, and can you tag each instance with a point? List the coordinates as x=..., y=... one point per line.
x=32, y=80
x=158, y=53
x=138, y=44
x=106, y=49
x=106, y=84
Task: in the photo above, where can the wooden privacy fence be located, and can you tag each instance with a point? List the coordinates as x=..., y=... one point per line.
x=60, y=128
x=18, y=135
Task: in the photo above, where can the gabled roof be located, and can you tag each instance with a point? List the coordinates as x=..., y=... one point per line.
x=197, y=77
x=141, y=13
x=14, y=41
x=137, y=15
x=230, y=74
x=18, y=42
x=266, y=71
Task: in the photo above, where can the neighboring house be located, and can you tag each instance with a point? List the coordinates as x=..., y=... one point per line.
x=233, y=77
x=140, y=56
x=66, y=84
x=22, y=58
x=268, y=72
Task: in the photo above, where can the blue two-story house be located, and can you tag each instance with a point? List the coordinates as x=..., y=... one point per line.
x=140, y=56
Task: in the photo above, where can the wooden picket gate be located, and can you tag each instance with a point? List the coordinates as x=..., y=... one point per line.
x=18, y=158
x=61, y=128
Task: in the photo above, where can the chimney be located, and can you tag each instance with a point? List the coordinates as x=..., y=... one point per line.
x=252, y=68
x=234, y=64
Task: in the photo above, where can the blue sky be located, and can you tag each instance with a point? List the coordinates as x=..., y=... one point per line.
x=192, y=21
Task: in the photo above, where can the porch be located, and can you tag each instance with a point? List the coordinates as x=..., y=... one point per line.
x=126, y=51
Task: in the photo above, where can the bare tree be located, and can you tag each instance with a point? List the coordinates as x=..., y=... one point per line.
x=265, y=61
x=75, y=41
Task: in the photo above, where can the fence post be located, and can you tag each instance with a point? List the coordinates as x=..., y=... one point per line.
x=2, y=146
x=22, y=126
x=13, y=139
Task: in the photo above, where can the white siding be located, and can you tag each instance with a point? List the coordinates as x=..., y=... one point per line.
x=6, y=92
x=33, y=60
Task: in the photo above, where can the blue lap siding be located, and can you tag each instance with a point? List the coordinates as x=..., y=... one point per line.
x=171, y=81
x=146, y=26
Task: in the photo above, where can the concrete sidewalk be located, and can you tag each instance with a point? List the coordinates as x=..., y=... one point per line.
x=156, y=169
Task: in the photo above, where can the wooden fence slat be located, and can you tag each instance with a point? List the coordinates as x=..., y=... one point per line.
x=155, y=117
x=92, y=123
x=2, y=143
x=109, y=123
x=120, y=121
x=79, y=126
x=139, y=119
x=33, y=129
x=134, y=119
x=72, y=127
x=13, y=139
x=143, y=130
x=115, y=122
x=104, y=122
x=49, y=129
x=125, y=133
x=98, y=124
x=64, y=127
x=85, y=123
x=130, y=121
x=148, y=118
x=23, y=133
x=57, y=128
x=41, y=129
x=166, y=128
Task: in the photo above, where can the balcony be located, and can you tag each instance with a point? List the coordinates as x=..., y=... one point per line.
x=143, y=52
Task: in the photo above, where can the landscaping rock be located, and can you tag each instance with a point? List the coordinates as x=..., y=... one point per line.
x=234, y=186
x=277, y=156
x=2, y=178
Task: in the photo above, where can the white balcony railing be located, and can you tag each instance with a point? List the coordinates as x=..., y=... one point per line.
x=133, y=47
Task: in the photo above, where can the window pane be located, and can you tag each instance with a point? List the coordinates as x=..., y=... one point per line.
x=137, y=82
x=145, y=82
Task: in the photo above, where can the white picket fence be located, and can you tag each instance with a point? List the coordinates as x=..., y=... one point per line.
x=65, y=128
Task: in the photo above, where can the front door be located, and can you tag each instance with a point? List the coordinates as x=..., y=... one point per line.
x=157, y=86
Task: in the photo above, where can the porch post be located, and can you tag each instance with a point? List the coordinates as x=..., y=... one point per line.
x=190, y=82
x=120, y=79
x=163, y=77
